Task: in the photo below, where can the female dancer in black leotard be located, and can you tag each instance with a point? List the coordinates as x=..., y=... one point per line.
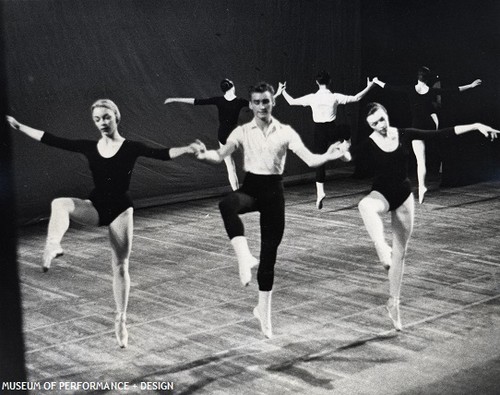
x=423, y=113
x=391, y=191
x=229, y=107
x=111, y=161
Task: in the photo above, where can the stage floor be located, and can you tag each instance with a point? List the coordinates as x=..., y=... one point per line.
x=191, y=325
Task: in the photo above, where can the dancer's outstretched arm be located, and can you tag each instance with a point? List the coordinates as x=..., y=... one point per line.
x=187, y=100
x=369, y=84
x=473, y=84
x=337, y=150
x=486, y=130
x=213, y=156
x=27, y=130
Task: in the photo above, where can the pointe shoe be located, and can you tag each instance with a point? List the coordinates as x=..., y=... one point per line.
x=121, y=332
x=245, y=267
x=265, y=326
x=384, y=253
x=393, y=312
x=319, y=201
x=421, y=194
x=51, y=251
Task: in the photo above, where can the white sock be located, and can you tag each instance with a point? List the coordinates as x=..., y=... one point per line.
x=245, y=258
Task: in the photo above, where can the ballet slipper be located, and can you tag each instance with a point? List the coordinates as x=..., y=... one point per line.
x=393, y=312
x=263, y=313
x=121, y=332
x=319, y=201
x=51, y=251
x=246, y=261
x=384, y=252
x=421, y=194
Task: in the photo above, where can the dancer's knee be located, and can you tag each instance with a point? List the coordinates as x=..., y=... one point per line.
x=62, y=204
x=120, y=267
x=228, y=205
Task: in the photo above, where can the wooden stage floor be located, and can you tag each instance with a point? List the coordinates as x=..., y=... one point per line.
x=191, y=323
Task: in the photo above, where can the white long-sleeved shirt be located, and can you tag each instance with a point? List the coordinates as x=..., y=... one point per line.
x=323, y=104
x=265, y=153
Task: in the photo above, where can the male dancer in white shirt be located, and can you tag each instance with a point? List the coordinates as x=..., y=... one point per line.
x=324, y=105
x=264, y=141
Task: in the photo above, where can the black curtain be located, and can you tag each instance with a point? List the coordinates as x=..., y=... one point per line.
x=63, y=55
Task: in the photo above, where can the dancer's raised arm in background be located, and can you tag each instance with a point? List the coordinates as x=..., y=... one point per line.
x=421, y=97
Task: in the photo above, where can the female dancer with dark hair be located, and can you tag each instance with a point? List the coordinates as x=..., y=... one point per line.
x=264, y=142
x=229, y=107
x=324, y=105
x=391, y=192
x=424, y=116
x=111, y=161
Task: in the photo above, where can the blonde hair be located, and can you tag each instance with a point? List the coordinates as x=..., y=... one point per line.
x=110, y=105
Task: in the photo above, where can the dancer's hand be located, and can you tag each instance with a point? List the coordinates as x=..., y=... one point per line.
x=375, y=80
x=13, y=122
x=370, y=83
x=487, y=131
x=201, y=149
x=475, y=83
x=281, y=87
x=168, y=100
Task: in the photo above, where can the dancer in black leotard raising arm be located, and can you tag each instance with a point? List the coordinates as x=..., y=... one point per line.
x=229, y=107
x=423, y=114
x=111, y=161
x=391, y=191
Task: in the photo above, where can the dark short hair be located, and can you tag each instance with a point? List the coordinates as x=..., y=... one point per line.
x=424, y=74
x=323, y=78
x=226, y=84
x=371, y=108
x=261, y=87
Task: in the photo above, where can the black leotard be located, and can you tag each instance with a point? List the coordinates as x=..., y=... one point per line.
x=229, y=111
x=391, y=168
x=421, y=104
x=111, y=175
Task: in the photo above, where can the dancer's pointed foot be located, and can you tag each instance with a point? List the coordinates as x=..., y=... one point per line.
x=121, y=330
x=392, y=308
x=245, y=267
x=421, y=194
x=265, y=323
x=51, y=251
x=384, y=252
x=319, y=201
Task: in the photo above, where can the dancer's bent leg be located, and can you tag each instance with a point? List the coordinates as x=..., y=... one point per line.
x=230, y=207
x=120, y=237
x=371, y=208
x=62, y=210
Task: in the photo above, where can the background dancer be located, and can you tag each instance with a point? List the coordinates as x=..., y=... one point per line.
x=391, y=192
x=324, y=105
x=229, y=107
x=421, y=97
x=264, y=141
x=111, y=161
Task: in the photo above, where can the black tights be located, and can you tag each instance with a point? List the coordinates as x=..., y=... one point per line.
x=262, y=193
x=324, y=135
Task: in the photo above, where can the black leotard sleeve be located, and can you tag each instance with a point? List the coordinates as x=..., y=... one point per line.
x=204, y=102
x=67, y=144
x=410, y=134
x=141, y=149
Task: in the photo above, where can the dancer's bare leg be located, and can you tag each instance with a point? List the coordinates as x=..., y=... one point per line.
x=231, y=171
x=371, y=207
x=402, y=226
x=62, y=211
x=419, y=151
x=120, y=236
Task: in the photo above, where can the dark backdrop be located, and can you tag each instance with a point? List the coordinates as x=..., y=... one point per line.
x=459, y=41
x=63, y=55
